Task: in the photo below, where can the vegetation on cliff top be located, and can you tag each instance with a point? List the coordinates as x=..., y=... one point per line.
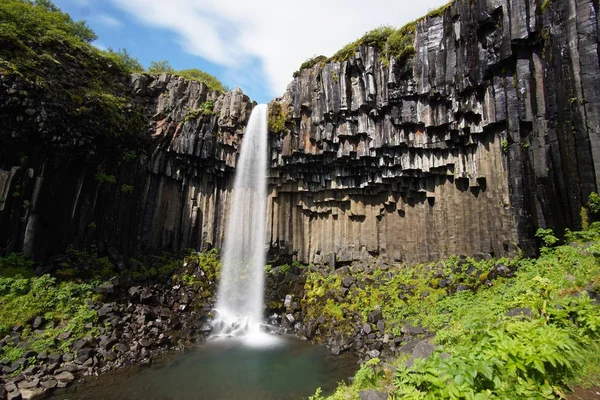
x=159, y=67
x=391, y=42
x=74, y=91
x=531, y=332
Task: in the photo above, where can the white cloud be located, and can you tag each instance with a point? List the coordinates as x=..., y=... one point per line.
x=280, y=33
x=108, y=20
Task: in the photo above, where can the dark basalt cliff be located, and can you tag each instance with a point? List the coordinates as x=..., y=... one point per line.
x=488, y=132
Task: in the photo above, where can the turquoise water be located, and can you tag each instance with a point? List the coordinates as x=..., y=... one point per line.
x=227, y=369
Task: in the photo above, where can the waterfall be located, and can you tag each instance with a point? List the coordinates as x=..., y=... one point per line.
x=241, y=288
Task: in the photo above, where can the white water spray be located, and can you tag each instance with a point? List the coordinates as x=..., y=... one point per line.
x=241, y=289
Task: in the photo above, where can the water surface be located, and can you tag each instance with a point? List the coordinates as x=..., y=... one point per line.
x=226, y=369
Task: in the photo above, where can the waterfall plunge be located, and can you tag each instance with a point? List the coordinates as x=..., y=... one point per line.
x=241, y=289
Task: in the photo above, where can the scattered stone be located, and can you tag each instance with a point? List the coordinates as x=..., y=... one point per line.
x=32, y=393
x=37, y=322
x=372, y=395
x=367, y=328
x=29, y=384
x=520, y=312
x=49, y=384
x=65, y=376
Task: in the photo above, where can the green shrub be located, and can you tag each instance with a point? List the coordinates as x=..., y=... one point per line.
x=276, y=118
x=200, y=76
x=15, y=264
x=594, y=204
x=547, y=237
x=161, y=67
x=125, y=60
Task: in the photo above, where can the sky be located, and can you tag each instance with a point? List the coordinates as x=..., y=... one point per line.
x=252, y=44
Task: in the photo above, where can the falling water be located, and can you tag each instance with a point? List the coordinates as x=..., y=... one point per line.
x=240, y=296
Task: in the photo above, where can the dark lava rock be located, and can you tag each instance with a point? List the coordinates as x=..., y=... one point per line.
x=372, y=395
x=348, y=281
x=375, y=316
x=381, y=325
x=9, y=369
x=37, y=322
x=412, y=330
x=79, y=344
x=105, y=289
x=146, y=296
x=55, y=358
x=422, y=349
x=367, y=328
x=520, y=312
x=64, y=335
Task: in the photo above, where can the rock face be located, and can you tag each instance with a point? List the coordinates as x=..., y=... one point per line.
x=171, y=195
x=489, y=132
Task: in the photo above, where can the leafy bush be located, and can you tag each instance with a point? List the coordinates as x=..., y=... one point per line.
x=482, y=352
x=594, y=203
x=125, y=60
x=161, y=67
x=15, y=264
x=200, y=76
x=276, y=118
x=23, y=299
x=205, y=109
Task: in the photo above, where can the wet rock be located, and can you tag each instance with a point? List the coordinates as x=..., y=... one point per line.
x=381, y=325
x=50, y=383
x=28, y=384
x=16, y=395
x=32, y=393
x=65, y=377
x=367, y=328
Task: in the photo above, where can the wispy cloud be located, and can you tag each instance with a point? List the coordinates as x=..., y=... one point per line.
x=280, y=33
x=107, y=20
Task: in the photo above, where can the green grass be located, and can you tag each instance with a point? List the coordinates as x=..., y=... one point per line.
x=61, y=303
x=483, y=353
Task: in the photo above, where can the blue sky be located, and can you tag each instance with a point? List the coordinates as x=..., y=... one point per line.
x=252, y=44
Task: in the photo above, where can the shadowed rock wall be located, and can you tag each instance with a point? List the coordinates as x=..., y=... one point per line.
x=171, y=193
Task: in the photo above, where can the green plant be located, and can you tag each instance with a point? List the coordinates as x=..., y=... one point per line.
x=547, y=4
x=200, y=76
x=127, y=189
x=504, y=145
x=276, y=118
x=161, y=67
x=102, y=177
x=125, y=60
x=547, y=237
x=594, y=203
x=206, y=108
